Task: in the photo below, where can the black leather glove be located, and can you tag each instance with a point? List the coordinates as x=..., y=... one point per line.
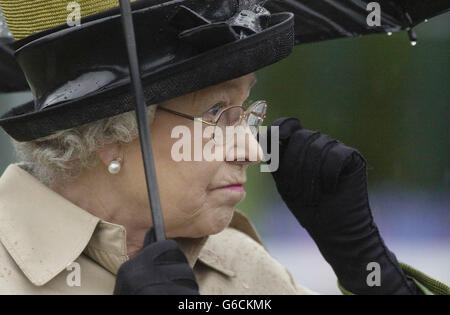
x=323, y=183
x=160, y=268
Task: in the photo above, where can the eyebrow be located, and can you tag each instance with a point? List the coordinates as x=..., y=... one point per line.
x=253, y=81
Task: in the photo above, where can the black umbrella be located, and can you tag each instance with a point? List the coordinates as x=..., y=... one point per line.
x=317, y=20
x=11, y=76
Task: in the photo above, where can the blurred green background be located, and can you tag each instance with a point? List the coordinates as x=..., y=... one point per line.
x=378, y=94
x=382, y=96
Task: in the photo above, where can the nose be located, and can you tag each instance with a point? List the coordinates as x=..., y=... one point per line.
x=244, y=149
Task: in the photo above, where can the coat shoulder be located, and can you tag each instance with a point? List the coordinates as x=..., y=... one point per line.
x=245, y=264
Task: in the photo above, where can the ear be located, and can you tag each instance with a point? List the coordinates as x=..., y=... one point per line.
x=109, y=153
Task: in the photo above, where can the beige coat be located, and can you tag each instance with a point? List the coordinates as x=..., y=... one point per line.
x=42, y=234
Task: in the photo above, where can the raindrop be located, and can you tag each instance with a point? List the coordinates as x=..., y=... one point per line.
x=389, y=33
x=412, y=37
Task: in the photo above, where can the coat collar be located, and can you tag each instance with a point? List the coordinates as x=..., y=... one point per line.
x=44, y=232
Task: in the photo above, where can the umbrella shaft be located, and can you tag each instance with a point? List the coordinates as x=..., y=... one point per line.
x=141, y=116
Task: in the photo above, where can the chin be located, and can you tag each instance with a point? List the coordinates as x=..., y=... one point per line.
x=216, y=221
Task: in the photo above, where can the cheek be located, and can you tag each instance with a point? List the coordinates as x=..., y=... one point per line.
x=187, y=184
x=184, y=190
x=184, y=184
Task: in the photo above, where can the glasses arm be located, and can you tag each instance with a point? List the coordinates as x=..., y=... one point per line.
x=186, y=116
x=177, y=113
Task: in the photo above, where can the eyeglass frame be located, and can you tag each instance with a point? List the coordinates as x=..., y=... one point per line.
x=245, y=115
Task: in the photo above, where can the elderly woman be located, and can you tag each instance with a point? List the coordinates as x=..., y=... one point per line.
x=75, y=202
x=74, y=213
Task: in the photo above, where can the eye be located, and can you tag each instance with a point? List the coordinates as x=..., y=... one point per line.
x=212, y=111
x=215, y=109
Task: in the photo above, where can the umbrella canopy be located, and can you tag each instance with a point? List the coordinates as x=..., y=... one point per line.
x=329, y=19
x=314, y=21
x=11, y=76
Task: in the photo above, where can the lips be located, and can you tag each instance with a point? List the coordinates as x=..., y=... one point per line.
x=234, y=187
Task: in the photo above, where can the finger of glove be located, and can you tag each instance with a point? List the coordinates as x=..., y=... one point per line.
x=176, y=272
x=157, y=263
x=180, y=274
x=162, y=252
x=291, y=163
x=166, y=252
x=149, y=237
x=287, y=126
x=310, y=174
x=335, y=161
x=349, y=200
x=151, y=280
x=355, y=162
x=150, y=274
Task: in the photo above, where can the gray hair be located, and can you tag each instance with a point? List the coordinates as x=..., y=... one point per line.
x=62, y=156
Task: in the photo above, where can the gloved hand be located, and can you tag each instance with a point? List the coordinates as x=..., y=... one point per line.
x=323, y=183
x=160, y=268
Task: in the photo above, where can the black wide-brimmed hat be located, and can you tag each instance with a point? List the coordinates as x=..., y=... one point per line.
x=80, y=74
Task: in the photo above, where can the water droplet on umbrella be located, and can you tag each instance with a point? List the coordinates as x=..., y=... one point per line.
x=412, y=37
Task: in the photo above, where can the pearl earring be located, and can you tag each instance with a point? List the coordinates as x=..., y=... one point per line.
x=115, y=166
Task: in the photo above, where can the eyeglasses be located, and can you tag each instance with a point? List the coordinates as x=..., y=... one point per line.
x=230, y=116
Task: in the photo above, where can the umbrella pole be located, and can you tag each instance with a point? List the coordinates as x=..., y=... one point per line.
x=141, y=115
